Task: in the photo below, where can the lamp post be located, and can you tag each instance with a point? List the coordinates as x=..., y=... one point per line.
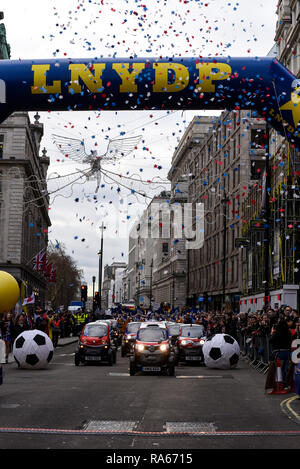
x=94, y=280
x=173, y=290
x=151, y=279
x=139, y=287
x=100, y=254
x=267, y=217
x=225, y=202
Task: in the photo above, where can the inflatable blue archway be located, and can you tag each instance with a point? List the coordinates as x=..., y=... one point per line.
x=261, y=84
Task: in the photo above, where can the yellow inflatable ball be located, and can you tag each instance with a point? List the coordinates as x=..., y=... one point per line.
x=9, y=292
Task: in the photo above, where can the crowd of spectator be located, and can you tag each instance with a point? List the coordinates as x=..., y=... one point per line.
x=54, y=323
x=275, y=327
x=242, y=326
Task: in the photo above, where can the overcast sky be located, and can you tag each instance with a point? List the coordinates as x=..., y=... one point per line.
x=121, y=28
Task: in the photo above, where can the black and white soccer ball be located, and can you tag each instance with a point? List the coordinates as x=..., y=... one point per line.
x=33, y=349
x=221, y=351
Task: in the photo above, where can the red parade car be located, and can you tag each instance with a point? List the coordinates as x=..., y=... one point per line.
x=129, y=337
x=95, y=344
x=190, y=343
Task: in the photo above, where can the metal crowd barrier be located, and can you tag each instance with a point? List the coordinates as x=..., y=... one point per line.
x=256, y=349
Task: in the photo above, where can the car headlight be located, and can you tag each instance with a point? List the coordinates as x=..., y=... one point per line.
x=164, y=347
x=140, y=347
x=185, y=342
x=202, y=341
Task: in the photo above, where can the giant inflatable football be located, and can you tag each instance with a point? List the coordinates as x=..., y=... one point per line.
x=221, y=351
x=33, y=349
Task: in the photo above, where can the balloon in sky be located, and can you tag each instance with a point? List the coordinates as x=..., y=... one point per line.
x=9, y=292
x=261, y=84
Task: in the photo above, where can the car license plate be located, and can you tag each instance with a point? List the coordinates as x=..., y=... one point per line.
x=93, y=358
x=151, y=368
x=193, y=358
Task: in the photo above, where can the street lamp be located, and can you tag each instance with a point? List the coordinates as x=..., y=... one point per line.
x=151, y=282
x=224, y=201
x=128, y=290
x=100, y=254
x=266, y=211
x=94, y=280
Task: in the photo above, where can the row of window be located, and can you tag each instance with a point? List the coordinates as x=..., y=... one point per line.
x=211, y=276
x=213, y=248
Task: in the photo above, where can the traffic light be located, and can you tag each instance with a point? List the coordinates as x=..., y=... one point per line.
x=83, y=292
x=97, y=298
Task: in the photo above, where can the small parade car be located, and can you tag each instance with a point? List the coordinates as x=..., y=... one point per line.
x=190, y=343
x=129, y=337
x=95, y=344
x=152, y=351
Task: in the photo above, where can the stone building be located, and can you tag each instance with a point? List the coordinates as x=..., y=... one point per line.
x=144, y=241
x=112, y=284
x=148, y=253
x=133, y=259
x=222, y=165
x=173, y=273
x=24, y=203
x=271, y=259
x=24, y=218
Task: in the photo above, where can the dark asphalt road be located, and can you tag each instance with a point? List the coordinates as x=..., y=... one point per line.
x=98, y=406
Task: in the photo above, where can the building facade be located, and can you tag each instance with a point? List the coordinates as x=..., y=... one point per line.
x=272, y=254
x=174, y=272
x=24, y=218
x=112, y=285
x=24, y=203
x=223, y=165
x=133, y=259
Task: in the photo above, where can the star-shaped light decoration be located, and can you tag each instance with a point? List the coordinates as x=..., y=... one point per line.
x=294, y=106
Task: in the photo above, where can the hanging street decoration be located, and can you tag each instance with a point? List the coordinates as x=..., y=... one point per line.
x=74, y=149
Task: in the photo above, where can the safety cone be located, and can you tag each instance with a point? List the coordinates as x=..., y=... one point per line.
x=278, y=387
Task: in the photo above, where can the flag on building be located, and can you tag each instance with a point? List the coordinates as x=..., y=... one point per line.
x=43, y=263
x=47, y=271
x=50, y=273
x=37, y=261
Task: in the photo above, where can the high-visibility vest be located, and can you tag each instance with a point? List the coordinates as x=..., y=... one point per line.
x=77, y=317
x=82, y=319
